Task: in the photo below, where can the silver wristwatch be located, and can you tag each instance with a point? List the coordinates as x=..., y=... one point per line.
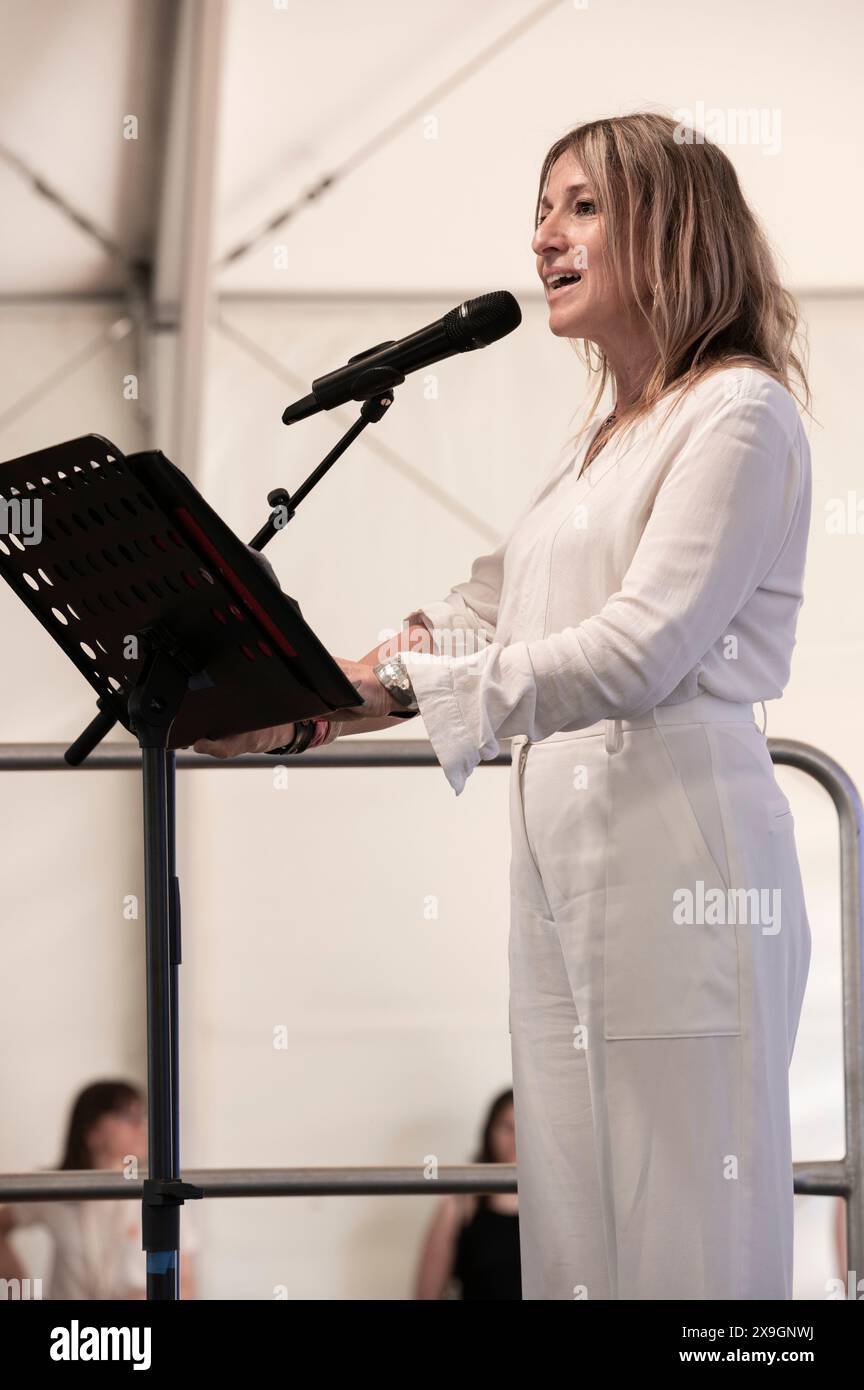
x=393, y=675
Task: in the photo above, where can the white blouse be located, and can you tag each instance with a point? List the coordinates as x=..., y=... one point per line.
x=672, y=567
x=98, y=1253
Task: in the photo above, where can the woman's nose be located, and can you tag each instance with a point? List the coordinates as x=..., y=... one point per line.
x=548, y=237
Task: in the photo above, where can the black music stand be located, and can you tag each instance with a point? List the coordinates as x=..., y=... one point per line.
x=182, y=634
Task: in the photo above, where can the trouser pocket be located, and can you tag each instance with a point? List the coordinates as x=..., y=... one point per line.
x=526, y=882
x=789, y=919
x=671, y=956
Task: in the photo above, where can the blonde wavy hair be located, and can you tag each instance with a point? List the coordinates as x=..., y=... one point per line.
x=688, y=251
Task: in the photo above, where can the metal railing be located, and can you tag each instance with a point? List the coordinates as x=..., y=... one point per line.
x=842, y=1177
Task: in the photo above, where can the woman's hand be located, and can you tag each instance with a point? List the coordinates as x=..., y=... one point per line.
x=377, y=700
x=378, y=703
x=256, y=741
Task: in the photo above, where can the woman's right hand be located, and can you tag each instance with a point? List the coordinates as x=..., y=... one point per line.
x=256, y=741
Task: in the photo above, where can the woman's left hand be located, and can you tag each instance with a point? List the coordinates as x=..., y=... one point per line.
x=377, y=700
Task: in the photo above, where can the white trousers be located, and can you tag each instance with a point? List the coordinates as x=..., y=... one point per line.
x=659, y=949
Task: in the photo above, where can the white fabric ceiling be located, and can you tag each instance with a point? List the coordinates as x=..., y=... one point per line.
x=304, y=86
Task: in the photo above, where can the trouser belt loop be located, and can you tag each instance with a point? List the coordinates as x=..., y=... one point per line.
x=614, y=736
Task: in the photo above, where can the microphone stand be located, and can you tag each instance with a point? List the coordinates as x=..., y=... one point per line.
x=371, y=411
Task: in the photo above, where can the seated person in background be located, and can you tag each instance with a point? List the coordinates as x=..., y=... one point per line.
x=475, y=1240
x=97, y=1244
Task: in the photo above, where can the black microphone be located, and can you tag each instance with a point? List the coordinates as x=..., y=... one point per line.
x=474, y=324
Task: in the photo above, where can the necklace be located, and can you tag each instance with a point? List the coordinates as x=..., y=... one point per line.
x=592, y=450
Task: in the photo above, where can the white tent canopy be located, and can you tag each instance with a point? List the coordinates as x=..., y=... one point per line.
x=307, y=907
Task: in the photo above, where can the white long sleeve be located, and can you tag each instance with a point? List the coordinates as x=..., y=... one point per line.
x=707, y=522
x=456, y=613
x=471, y=608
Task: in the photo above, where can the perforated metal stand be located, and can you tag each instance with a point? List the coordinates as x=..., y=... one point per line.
x=182, y=634
x=153, y=706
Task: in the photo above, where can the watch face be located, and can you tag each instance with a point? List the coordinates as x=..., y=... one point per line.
x=394, y=676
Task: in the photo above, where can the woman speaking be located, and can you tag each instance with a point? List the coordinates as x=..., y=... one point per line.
x=643, y=602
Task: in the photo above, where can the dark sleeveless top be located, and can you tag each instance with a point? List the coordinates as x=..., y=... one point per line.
x=487, y=1255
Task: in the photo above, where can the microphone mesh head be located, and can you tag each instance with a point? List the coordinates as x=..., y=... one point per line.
x=481, y=321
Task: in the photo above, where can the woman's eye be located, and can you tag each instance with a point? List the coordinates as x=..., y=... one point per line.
x=578, y=208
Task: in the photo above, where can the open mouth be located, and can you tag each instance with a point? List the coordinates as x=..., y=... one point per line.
x=561, y=285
